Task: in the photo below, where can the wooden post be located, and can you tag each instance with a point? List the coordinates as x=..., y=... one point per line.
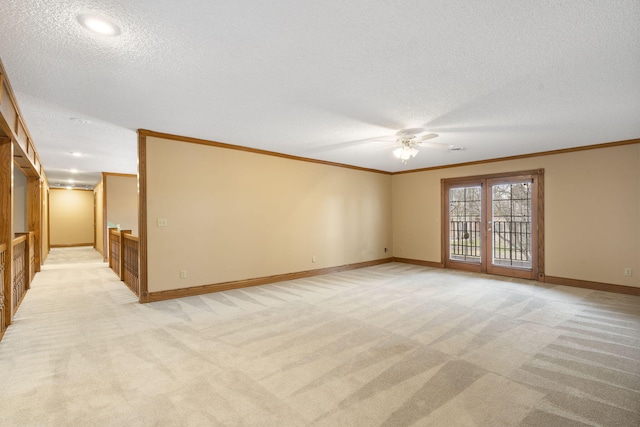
x=6, y=225
x=105, y=230
x=122, y=233
x=110, y=230
x=142, y=217
x=26, y=262
x=34, y=216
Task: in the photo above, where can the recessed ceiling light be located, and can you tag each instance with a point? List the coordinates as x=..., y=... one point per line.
x=69, y=187
x=70, y=181
x=99, y=25
x=76, y=154
x=456, y=148
x=73, y=170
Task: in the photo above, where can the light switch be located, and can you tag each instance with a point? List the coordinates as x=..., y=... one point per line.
x=162, y=222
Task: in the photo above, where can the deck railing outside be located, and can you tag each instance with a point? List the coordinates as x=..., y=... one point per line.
x=511, y=242
x=464, y=242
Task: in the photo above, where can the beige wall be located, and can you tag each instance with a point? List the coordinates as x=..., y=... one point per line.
x=236, y=215
x=122, y=201
x=100, y=243
x=45, y=221
x=71, y=217
x=592, y=212
x=19, y=201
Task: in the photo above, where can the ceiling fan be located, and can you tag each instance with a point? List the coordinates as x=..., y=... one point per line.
x=409, y=140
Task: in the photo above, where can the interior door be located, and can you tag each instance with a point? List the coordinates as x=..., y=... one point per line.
x=493, y=224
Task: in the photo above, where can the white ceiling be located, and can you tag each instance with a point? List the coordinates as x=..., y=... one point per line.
x=322, y=79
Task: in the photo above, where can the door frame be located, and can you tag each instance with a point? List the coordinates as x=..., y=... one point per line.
x=537, y=270
x=446, y=184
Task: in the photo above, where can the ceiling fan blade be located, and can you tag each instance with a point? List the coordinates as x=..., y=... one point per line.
x=348, y=144
x=410, y=131
x=434, y=145
x=428, y=136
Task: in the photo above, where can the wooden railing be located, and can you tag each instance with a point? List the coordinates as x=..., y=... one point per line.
x=19, y=269
x=114, y=250
x=23, y=267
x=3, y=263
x=123, y=257
x=129, y=262
x=32, y=257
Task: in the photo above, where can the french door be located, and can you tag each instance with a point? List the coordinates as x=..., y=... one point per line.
x=493, y=224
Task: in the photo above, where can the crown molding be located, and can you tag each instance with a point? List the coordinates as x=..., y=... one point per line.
x=145, y=133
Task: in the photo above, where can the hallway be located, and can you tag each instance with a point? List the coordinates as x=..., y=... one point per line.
x=53, y=356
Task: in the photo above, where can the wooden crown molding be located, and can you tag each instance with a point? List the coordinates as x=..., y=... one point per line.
x=126, y=175
x=12, y=125
x=144, y=132
x=526, y=156
x=72, y=189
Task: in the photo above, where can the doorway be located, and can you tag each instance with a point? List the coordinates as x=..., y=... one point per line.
x=494, y=224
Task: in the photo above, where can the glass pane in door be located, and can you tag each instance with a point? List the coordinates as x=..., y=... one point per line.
x=511, y=225
x=465, y=207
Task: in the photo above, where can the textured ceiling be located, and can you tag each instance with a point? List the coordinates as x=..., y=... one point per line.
x=323, y=79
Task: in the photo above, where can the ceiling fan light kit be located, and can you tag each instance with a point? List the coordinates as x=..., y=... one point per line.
x=409, y=141
x=405, y=152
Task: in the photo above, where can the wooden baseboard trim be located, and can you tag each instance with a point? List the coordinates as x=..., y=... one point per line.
x=72, y=245
x=585, y=284
x=419, y=262
x=225, y=286
x=618, y=289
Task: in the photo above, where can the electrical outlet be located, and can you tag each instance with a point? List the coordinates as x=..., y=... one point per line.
x=628, y=272
x=183, y=274
x=162, y=222
x=313, y=258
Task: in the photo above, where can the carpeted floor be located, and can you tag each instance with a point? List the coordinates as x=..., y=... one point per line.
x=75, y=255
x=391, y=345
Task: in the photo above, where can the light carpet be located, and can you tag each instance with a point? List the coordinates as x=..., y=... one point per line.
x=390, y=345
